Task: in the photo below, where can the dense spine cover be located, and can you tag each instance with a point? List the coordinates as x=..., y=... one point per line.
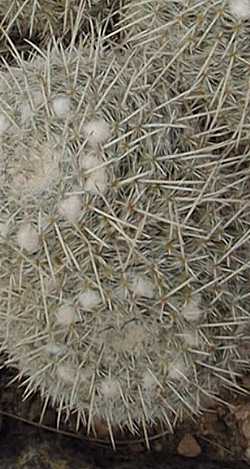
x=125, y=216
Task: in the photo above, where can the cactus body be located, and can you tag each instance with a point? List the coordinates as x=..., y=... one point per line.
x=124, y=251
x=207, y=56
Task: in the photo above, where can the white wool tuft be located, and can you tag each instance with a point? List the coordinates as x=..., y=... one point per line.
x=89, y=299
x=190, y=338
x=28, y=238
x=37, y=170
x=66, y=315
x=109, y=388
x=55, y=350
x=177, y=369
x=240, y=8
x=90, y=160
x=192, y=311
x=4, y=124
x=66, y=373
x=134, y=338
x=97, y=180
x=149, y=382
x=71, y=208
x=142, y=287
x=97, y=131
x=61, y=106
x=50, y=285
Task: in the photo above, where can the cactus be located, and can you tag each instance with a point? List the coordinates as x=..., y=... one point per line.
x=124, y=271
x=60, y=18
x=207, y=56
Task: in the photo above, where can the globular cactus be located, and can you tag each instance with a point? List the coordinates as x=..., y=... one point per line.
x=203, y=46
x=125, y=269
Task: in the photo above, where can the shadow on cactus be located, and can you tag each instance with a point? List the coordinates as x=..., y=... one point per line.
x=124, y=260
x=60, y=18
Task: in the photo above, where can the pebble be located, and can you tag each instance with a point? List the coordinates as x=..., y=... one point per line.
x=158, y=446
x=209, y=423
x=246, y=381
x=247, y=453
x=101, y=428
x=189, y=447
x=246, y=428
x=242, y=411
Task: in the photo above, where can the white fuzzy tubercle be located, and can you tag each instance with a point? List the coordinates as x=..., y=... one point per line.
x=97, y=182
x=66, y=315
x=109, y=388
x=53, y=349
x=148, y=382
x=28, y=238
x=38, y=168
x=71, y=208
x=96, y=174
x=66, y=373
x=61, y=106
x=192, y=310
x=134, y=338
x=69, y=374
x=97, y=131
x=89, y=299
x=190, y=338
x=142, y=287
x=177, y=369
x=240, y=8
